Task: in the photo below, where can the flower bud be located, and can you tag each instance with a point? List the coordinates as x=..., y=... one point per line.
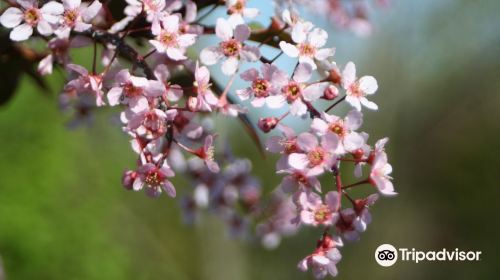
x=267, y=124
x=276, y=24
x=334, y=76
x=330, y=93
x=128, y=179
x=358, y=154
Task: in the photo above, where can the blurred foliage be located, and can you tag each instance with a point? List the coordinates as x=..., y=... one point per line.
x=64, y=214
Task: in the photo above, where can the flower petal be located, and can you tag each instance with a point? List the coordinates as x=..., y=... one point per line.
x=289, y=49
x=12, y=17
x=21, y=32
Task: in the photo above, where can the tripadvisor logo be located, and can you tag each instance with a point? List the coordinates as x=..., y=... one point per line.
x=387, y=255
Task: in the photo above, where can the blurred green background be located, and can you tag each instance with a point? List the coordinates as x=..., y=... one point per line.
x=64, y=214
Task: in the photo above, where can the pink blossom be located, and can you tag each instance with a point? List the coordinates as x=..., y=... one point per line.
x=76, y=16
x=363, y=216
x=231, y=48
x=238, y=11
x=264, y=86
x=314, y=212
x=324, y=259
x=170, y=41
x=308, y=41
x=207, y=154
x=358, y=89
x=149, y=122
x=132, y=90
x=172, y=92
x=87, y=83
x=379, y=175
x=300, y=180
x=343, y=128
x=315, y=155
x=296, y=92
x=206, y=99
x=28, y=16
x=154, y=180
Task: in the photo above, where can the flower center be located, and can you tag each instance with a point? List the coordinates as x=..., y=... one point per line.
x=131, y=90
x=289, y=146
x=237, y=8
x=168, y=39
x=230, y=47
x=32, y=16
x=70, y=17
x=260, y=88
x=355, y=90
x=306, y=49
x=292, y=91
x=322, y=214
x=153, y=123
x=209, y=153
x=316, y=156
x=338, y=128
x=300, y=178
x=151, y=5
x=153, y=178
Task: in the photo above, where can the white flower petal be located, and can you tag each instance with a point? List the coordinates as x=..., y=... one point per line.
x=368, y=84
x=210, y=55
x=12, y=17
x=289, y=49
x=229, y=66
x=223, y=29
x=91, y=11
x=21, y=32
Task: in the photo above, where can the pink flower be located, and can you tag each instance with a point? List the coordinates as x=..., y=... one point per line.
x=308, y=44
x=357, y=90
x=352, y=222
x=343, y=128
x=231, y=48
x=207, y=154
x=300, y=180
x=206, y=99
x=132, y=90
x=87, y=83
x=262, y=87
x=379, y=175
x=314, y=212
x=324, y=259
x=153, y=9
x=283, y=144
x=149, y=123
x=169, y=40
x=28, y=16
x=364, y=218
x=315, y=155
x=172, y=92
x=345, y=225
x=237, y=10
x=154, y=179
x=296, y=92
x=76, y=17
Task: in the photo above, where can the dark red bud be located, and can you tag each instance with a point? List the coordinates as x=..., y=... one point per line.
x=334, y=76
x=267, y=124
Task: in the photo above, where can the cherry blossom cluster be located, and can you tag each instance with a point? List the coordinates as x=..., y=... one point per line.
x=149, y=61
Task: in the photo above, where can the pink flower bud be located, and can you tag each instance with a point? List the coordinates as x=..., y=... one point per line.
x=330, y=93
x=128, y=179
x=267, y=124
